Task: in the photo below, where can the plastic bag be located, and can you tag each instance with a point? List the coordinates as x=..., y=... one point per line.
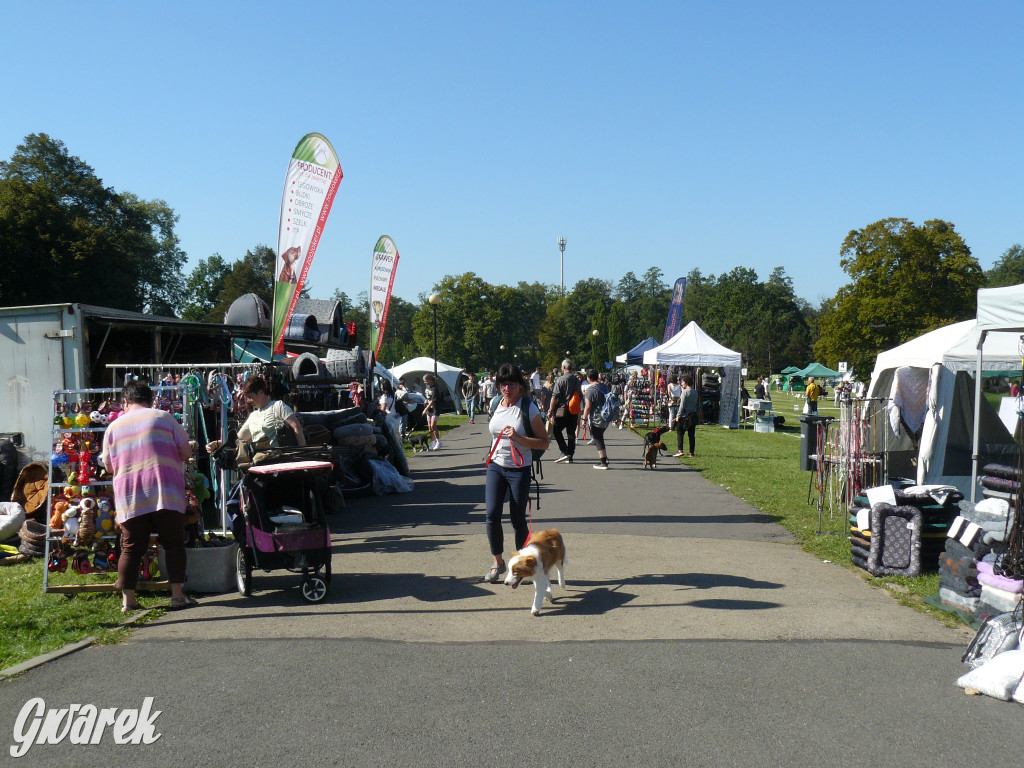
x=386, y=479
x=997, y=635
x=998, y=677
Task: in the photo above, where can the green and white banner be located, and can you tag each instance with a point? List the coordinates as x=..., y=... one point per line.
x=309, y=188
x=382, y=280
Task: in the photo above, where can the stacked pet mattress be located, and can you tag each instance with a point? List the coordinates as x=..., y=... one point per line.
x=1000, y=479
x=999, y=594
x=977, y=533
x=905, y=538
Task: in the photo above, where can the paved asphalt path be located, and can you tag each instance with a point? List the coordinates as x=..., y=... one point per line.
x=692, y=632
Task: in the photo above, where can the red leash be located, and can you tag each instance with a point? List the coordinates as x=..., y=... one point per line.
x=517, y=459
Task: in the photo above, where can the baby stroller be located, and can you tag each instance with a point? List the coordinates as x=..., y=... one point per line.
x=280, y=524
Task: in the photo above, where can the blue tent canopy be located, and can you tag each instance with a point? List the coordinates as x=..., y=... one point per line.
x=635, y=356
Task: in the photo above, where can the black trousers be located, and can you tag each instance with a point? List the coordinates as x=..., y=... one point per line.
x=567, y=424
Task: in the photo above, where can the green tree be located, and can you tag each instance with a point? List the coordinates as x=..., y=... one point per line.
x=253, y=273
x=907, y=280
x=66, y=237
x=1009, y=270
x=203, y=287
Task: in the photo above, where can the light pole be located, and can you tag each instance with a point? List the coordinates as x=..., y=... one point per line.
x=561, y=264
x=434, y=301
x=593, y=345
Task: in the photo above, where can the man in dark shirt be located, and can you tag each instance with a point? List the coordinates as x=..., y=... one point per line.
x=564, y=422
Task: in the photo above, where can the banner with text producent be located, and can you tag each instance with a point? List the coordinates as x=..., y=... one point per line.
x=675, y=310
x=382, y=280
x=309, y=188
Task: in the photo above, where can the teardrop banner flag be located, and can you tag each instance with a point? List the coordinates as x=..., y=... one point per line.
x=309, y=188
x=382, y=280
x=675, y=310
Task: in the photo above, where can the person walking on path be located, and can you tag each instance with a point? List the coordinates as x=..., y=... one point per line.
x=490, y=390
x=430, y=409
x=687, y=416
x=562, y=420
x=508, y=465
x=813, y=390
x=145, y=451
x=594, y=399
x=470, y=387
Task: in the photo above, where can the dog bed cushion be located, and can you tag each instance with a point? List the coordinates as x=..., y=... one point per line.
x=895, y=541
x=12, y=517
x=859, y=561
x=1000, y=484
x=961, y=586
x=955, y=549
x=987, y=575
x=1001, y=470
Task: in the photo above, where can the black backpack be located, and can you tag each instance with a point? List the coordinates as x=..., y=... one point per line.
x=536, y=468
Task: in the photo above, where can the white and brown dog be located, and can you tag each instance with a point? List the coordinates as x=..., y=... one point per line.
x=535, y=561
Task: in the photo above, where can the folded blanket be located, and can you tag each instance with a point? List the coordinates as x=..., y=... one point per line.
x=860, y=562
x=999, y=582
x=951, y=598
x=959, y=567
x=966, y=532
x=999, y=598
x=941, y=494
x=960, y=586
x=856, y=551
x=955, y=549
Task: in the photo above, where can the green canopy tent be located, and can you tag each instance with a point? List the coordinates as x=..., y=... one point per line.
x=819, y=371
x=791, y=369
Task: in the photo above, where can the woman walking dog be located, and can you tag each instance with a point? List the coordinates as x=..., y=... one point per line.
x=508, y=465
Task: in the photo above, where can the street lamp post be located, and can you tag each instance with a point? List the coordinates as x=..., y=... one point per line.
x=593, y=346
x=561, y=264
x=434, y=301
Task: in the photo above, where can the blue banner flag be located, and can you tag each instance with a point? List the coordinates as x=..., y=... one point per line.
x=675, y=310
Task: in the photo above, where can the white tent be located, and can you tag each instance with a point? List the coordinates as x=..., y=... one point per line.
x=691, y=346
x=1000, y=320
x=950, y=355
x=414, y=369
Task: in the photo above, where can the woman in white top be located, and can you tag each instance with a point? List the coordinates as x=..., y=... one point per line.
x=508, y=467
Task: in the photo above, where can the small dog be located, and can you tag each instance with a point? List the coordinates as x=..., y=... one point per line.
x=653, y=437
x=651, y=454
x=419, y=441
x=534, y=561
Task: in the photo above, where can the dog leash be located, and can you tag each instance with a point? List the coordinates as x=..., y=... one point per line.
x=517, y=457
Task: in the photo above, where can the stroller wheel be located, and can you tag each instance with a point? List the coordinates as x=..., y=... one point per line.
x=243, y=572
x=314, y=589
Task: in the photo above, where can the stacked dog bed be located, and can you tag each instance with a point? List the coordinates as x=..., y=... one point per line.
x=359, y=445
x=975, y=537
x=903, y=538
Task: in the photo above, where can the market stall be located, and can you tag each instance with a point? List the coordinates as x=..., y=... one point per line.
x=692, y=347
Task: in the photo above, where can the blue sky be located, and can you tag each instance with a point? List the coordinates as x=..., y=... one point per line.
x=676, y=135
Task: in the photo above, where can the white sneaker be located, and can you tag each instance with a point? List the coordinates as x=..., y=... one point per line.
x=600, y=466
x=438, y=446
x=434, y=445
x=590, y=442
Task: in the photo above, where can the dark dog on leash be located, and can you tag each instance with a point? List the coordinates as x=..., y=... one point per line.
x=652, y=438
x=421, y=442
x=651, y=454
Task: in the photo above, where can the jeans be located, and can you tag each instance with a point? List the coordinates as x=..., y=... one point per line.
x=471, y=407
x=501, y=480
x=169, y=527
x=567, y=424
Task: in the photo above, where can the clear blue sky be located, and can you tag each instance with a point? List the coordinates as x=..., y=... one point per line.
x=677, y=134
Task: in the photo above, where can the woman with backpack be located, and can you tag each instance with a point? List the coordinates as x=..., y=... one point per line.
x=517, y=430
x=594, y=397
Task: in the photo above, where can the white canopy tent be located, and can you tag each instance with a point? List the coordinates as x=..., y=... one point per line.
x=949, y=354
x=448, y=374
x=1000, y=320
x=691, y=346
